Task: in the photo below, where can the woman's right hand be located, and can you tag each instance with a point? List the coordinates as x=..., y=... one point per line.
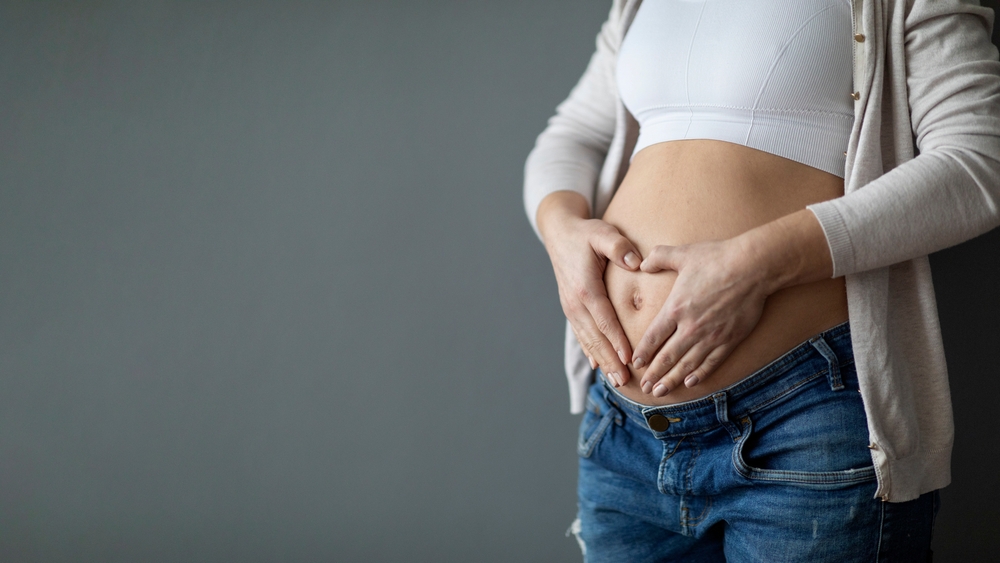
x=580, y=249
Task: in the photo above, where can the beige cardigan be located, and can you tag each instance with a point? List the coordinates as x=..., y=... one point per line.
x=922, y=174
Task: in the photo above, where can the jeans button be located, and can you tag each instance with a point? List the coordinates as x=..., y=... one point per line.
x=658, y=423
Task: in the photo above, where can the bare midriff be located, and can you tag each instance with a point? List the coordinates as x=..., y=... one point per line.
x=681, y=192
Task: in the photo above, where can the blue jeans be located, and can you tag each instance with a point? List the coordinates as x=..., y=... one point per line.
x=773, y=468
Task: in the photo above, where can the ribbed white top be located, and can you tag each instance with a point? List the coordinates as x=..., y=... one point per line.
x=773, y=75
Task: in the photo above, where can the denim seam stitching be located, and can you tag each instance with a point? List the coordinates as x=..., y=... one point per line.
x=663, y=462
x=749, y=472
x=750, y=410
x=586, y=447
x=704, y=514
x=635, y=410
x=689, y=479
x=813, y=478
x=784, y=394
x=771, y=370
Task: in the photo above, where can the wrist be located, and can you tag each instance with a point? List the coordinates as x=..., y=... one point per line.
x=558, y=211
x=755, y=259
x=788, y=251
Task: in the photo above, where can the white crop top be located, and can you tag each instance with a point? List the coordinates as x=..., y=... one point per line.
x=774, y=75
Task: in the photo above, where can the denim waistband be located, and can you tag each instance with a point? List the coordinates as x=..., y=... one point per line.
x=822, y=356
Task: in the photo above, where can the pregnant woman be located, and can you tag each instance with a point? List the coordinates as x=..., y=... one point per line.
x=738, y=199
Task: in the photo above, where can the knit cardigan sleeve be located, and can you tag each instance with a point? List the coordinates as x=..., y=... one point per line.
x=950, y=191
x=569, y=153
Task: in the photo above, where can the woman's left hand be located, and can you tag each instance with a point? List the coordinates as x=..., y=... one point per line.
x=715, y=302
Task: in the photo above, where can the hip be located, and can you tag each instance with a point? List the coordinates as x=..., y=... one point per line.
x=773, y=468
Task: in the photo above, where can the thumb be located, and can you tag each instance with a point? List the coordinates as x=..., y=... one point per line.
x=617, y=249
x=661, y=258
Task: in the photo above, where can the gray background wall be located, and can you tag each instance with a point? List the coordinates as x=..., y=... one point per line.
x=267, y=292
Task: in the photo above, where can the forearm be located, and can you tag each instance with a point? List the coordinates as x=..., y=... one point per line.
x=785, y=252
x=902, y=203
x=938, y=199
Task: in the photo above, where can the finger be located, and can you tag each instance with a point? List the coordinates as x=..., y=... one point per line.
x=707, y=367
x=616, y=248
x=666, y=358
x=687, y=365
x=593, y=363
x=661, y=258
x=598, y=348
x=656, y=334
x=595, y=299
x=606, y=320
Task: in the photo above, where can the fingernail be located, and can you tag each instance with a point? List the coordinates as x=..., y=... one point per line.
x=638, y=363
x=614, y=379
x=660, y=390
x=647, y=387
x=632, y=260
x=691, y=380
x=621, y=380
x=593, y=364
x=621, y=356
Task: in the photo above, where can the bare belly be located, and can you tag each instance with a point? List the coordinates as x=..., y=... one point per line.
x=687, y=191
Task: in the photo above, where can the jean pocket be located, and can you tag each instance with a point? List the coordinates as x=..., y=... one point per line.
x=818, y=439
x=597, y=418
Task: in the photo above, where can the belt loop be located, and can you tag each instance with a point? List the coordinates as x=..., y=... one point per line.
x=833, y=373
x=722, y=413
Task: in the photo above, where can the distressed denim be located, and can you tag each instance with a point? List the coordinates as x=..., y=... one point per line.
x=773, y=468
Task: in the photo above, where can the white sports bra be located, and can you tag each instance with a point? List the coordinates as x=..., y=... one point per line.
x=773, y=75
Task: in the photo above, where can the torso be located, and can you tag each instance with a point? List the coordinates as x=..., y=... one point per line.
x=687, y=191
x=744, y=112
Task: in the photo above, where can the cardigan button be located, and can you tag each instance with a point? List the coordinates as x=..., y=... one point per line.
x=658, y=423
x=859, y=38
x=856, y=95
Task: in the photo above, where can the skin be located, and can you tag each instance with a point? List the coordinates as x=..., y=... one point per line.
x=580, y=249
x=734, y=270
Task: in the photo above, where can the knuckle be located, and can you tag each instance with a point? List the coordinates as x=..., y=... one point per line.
x=600, y=231
x=620, y=246
x=700, y=373
x=665, y=360
x=571, y=309
x=594, y=341
x=688, y=332
x=709, y=364
x=652, y=337
x=567, y=304
x=591, y=344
